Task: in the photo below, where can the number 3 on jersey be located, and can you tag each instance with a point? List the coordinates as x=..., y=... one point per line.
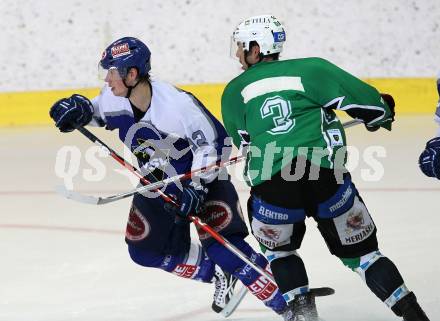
x=280, y=110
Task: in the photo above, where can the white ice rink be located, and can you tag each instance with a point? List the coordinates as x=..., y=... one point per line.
x=63, y=261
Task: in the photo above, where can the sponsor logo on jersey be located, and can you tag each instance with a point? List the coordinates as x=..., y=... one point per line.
x=143, y=149
x=335, y=137
x=185, y=271
x=355, y=221
x=354, y=226
x=247, y=269
x=272, y=214
x=271, y=236
x=150, y=156
x=218, y=215
x=263, y=289
x=120, y=50
x=363, y=234
x=138, y=227
x=270, y=232
x=166, y=262
x=345, y=197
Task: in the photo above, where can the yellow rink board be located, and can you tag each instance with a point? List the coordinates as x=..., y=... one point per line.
x=412, y=95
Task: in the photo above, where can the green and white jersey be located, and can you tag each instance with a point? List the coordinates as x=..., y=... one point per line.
x=286, y=108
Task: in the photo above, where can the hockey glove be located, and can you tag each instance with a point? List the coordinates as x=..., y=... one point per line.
x=387, y=120
x=429, y=160
x=70, y=113
x=191, y=199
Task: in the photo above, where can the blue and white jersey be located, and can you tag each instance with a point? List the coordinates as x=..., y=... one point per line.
x=177, y=133
x=437, y=112
x=437, y=117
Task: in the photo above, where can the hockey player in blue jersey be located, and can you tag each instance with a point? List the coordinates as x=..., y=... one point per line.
x=429, y=160
x=170, y=132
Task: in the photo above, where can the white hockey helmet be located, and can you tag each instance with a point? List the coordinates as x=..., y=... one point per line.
x=266, y=30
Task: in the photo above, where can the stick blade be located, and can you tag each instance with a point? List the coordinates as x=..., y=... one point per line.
x=81, y=198
x=324, y=291
x=234, y=302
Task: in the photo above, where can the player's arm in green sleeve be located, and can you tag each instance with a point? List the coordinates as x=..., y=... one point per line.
x=343, y=91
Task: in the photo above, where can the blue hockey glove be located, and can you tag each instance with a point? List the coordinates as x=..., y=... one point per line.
x=429, y=160
x=70, y=113
x=386, y=121
x=191, y=199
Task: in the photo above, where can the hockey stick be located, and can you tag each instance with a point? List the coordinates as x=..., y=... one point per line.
x=352, y=123
x=96, y=200
x=168, y=199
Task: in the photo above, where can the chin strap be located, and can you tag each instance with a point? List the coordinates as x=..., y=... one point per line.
x=130, y=88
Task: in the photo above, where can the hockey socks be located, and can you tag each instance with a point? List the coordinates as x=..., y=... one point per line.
x=384, y=280
x=259, y=286
x=290, y=273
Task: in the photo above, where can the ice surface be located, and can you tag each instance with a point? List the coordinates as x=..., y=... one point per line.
x=63, y=261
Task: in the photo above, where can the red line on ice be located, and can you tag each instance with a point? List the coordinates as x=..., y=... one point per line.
x=61, y=228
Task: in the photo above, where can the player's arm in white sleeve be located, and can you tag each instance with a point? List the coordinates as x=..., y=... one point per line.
x=202, y=134
x=437, y=112
x=98, y=118
x=437, y=118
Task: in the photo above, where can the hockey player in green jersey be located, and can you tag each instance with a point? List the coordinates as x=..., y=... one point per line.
x=283, y=112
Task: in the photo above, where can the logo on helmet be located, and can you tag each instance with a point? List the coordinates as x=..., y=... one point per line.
x=120, y=50
x=104, y=54
x=279, y=36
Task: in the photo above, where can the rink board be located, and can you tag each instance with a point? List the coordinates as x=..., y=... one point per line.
x=412, y=95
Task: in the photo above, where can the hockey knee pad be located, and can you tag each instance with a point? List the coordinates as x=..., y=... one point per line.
x=346, y=223
x=272, y=225
x=341, y=202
